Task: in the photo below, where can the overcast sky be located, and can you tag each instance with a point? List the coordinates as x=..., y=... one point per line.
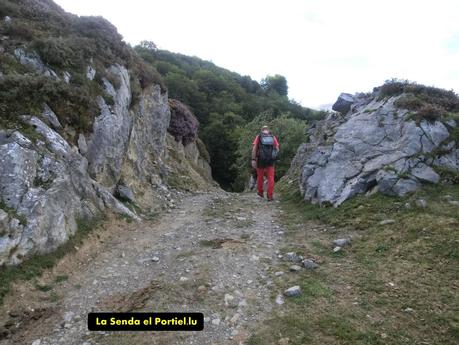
x=322, y=47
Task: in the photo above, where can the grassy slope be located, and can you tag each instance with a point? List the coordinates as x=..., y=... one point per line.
x=361, y=295
x=65, y=43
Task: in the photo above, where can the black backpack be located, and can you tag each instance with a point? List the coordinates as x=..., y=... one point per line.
x=267, y=154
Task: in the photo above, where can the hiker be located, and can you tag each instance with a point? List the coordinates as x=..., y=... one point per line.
x=264, y=153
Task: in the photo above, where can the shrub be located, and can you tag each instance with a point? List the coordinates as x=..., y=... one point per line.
x=55, y=52
x=391, y=88
x=146, y=74
x=429, y=112
x=74, y=105
x=409, y=101
x=430, y=103
x=183, y=125
x=18, y=29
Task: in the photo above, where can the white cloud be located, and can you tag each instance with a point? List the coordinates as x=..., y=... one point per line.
x=323, y=47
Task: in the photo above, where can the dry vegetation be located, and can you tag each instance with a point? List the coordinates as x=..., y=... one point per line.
x=427, y=102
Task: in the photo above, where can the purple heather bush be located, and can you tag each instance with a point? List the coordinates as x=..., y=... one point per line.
x=183, y=125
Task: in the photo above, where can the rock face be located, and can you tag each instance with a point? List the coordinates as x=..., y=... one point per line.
x=111, y=131
x=48, y=185
x=45, y=188
x=373, y=146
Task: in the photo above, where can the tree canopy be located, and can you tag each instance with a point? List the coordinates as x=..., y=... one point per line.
x=276, y=83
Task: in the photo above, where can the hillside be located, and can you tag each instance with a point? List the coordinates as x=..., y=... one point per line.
x=44, y=48
x=85, y=130
x=225, y=102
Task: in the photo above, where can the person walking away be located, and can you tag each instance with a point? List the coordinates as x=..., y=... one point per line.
x=264, y=153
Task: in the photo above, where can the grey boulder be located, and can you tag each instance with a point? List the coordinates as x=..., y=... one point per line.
x=343, y=104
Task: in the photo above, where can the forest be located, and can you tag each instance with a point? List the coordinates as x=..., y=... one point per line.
x=231, y=110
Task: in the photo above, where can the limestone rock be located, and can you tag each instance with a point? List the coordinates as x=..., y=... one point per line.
x=125, y=193
x=111, y=131
x=310, y=264
x=33, y=60
x=90, y=73
x=374, y=148
x=49, y=115
x=82, y=145
x=293, y=291
x=341, y=242
x=293, y=257
x=67, y=76
x=47, y=185
x=386, y=222
x=295, y=268
x=343, y=104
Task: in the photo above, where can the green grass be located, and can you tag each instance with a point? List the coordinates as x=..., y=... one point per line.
x=370, y=110
x=131, y=205
x=43, y=288
x=311, y=287
x=34, y=266
x=61, y=278
x=128, y=219
x=359, y=295
x=340, y=327
x=12, y=213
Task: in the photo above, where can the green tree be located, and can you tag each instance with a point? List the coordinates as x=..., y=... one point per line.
x=150, y=45
x=290, y=133
x=221, y=140
x=277, y=83
x=213, y=93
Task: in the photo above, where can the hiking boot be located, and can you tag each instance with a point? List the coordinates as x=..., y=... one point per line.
x=270, y=199
x=260, y=195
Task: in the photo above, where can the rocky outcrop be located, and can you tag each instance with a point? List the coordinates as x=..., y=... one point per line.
x=374, y=146
x=47, y=184
x=33, y=60
x=188, y=166
x=111, y=131
x=45, y=188
x=100, y=142
x=343, y=104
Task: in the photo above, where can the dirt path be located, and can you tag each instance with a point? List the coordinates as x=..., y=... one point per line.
x=213, y=254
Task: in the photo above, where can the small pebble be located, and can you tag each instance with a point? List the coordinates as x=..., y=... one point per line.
x=387, y=221
x=295, y=268
x=293, y=291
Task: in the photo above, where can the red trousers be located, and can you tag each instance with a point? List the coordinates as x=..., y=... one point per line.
x=269, y=172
